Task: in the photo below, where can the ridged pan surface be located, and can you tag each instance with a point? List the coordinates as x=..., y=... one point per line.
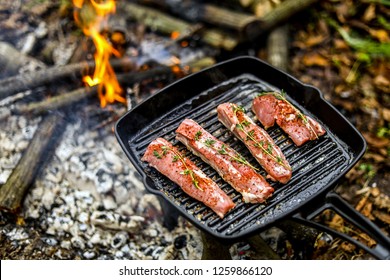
x=316, y=165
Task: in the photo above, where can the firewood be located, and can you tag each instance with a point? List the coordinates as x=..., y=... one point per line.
x=29, y=166
x=57, y=102
x=65, y=99
x=213, y=249
x=262, y=248
x=277, y=47
x=197, y=12
x=25, y=81
x=283, y=12
x=11, y=60
x=161, y=22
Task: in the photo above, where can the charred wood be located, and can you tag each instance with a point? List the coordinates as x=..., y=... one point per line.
x=29, y=166
x=262, y=248
x=56, y=102
x=194, y=11
x=303, y=238
x=213, y=249
x=163, y=23
x=11, y=60
x=26, y=81
x=63, y=100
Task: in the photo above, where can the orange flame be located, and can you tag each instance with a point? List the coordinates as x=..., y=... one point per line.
x=91, y=21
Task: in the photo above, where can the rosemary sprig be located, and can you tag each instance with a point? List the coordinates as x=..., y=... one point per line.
x=197, y=135
x=282, y=96
x=223, y=150
x=177, y=156
x=250, y=135
x=257, y=144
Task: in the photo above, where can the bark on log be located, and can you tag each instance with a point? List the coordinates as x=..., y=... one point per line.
x=282, y=12
x=166, y=24
x=57, y=102
x=31, y=80
x=277, y=47
x=33, y=159
x=194, y=11
x=262, y=248
x=303, y=238
x=66, y=99
x=11, y=60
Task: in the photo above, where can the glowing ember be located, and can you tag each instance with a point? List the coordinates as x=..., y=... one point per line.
x=91, y=15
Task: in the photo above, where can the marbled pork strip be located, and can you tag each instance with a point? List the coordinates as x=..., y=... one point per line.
x=257, y=140
x=229, y=164
x=273, y=106
x=163, y=156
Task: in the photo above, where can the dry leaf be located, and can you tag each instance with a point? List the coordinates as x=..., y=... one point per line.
x=375, y=192
x=384, y=217
x=367, y=211
x=369, y=14
x=381, y=81
x=314, y=59
x=337, y=223
x=340, y=44
x=362, y=202
x=382, y=202
x=314, y=40
x=347, y=247
x=380, y=34
x=367, y=239
x=375, y=157
x=376, y=142
x=386, y=114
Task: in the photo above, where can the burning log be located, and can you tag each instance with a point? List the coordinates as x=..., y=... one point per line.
x=63, y=100
x=163, y=23
x=193, y=11
x=125, y=79
x=30, y=80
x=23, y=175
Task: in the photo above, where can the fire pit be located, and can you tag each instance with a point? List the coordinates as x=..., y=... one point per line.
x=67, y=190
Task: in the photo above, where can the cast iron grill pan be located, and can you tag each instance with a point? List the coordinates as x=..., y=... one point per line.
x=316, y=165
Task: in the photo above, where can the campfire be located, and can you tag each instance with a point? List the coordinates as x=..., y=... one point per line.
x=64, y=85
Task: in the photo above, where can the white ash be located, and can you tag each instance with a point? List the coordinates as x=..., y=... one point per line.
x=90, y=201
x=16, y=133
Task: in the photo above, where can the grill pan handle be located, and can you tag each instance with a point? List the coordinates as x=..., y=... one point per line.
x=334, y=202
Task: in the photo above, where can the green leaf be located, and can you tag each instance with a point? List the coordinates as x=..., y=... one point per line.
x=156, y=154
x=209, y=142
x=175, y=158
x=197, y=135
x=363, y=45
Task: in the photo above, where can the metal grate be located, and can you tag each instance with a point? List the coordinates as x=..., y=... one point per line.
x=315, y=164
